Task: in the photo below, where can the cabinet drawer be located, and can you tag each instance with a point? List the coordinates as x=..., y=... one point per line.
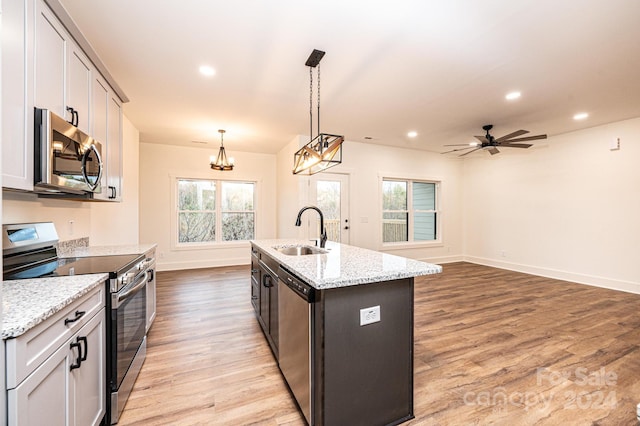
x=29, y=350
x=255, y=271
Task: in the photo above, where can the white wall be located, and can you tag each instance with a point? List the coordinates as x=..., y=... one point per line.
x=160, y=164
x=102, y=222
x=117, y=223
x=366, y=164
x=290, y=190
x=566, y=208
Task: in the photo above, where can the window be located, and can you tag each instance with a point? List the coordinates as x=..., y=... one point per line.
x=211, y=211
x=409, y=211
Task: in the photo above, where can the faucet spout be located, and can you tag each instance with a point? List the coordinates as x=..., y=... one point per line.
x=323, y=231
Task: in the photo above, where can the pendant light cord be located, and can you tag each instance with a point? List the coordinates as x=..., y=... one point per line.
x=310, y=103
x=319, y=102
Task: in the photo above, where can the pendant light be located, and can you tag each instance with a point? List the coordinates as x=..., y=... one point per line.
x=325, y=150
x=221, y=163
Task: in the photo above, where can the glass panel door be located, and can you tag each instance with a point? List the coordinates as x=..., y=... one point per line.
x=330, y=193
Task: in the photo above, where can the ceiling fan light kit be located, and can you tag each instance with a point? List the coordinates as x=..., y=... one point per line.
x=324, y=150
x=491, y=144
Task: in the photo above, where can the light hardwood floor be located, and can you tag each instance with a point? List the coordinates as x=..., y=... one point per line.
x=491, y=347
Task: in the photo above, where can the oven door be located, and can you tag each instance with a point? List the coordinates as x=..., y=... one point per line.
x=128, y=320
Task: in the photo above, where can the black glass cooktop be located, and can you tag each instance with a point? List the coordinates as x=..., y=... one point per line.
x=113, y=265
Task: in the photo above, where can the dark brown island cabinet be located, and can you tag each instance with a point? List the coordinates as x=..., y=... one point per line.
x=346, y=352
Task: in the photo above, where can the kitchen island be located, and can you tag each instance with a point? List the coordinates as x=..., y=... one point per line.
x=340, y=322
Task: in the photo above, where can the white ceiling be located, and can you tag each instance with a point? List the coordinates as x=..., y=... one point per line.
x=441, y=68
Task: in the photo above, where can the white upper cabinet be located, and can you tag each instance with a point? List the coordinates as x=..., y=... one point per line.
x=17, y=118
x=44, y=67
x=79, y=89
x=99, y=105
x=114, y=148
x=107, y=129
x=50, y=61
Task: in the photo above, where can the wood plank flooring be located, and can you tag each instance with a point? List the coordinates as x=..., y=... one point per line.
x=491, y=347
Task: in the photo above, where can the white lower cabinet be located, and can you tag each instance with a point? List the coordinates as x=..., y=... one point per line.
x=68, y=388
x=150, y=257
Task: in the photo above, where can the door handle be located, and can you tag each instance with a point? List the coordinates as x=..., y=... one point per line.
x=267, y=281
x=74, y=116
x=83, y=339
x=79, y=358
x=79, y=314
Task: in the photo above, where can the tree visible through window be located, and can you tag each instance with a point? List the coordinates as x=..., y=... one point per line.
x=409, y=211
x=213, y=211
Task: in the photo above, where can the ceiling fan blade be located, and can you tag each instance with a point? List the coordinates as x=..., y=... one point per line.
x=469, y=152
x=482, y=139
x=515, y=145
x=529, y=138
x=460, y=144
x=493, y=150
x=458, y=149
x=512, y=135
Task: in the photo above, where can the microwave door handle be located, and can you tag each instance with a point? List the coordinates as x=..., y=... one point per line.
x=88, y=152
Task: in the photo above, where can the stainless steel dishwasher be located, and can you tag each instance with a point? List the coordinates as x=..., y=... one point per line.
x=295, y=299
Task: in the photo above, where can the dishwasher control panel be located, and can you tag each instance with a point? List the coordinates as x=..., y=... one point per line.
x=301, y=288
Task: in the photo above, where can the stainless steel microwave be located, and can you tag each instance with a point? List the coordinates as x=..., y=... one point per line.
x=67, y=160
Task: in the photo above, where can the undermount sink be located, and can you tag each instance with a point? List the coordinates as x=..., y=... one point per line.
x=300, y=250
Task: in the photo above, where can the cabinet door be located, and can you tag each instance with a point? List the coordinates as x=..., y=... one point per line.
x=17, y=120
x=55, y=394
x=273, y=314
x=265, y=281
x=89, y=380
x=255, y=281
x=79, y=83
x=50, y=66
x=114, y=147
x=43, y=397
x=151, y=300
x=99, y=107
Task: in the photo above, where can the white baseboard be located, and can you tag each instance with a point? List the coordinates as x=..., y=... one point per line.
x=199, y=264
x=613, y=284
x=443, y=259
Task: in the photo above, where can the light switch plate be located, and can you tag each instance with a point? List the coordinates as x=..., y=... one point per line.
x=369, y=315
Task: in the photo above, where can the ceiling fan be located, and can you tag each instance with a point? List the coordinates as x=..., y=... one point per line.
x=491, y=144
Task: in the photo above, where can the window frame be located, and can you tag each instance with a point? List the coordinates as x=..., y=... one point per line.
x=409, y=180
x=219, y=242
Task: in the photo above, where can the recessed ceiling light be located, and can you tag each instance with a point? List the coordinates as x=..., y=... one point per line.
x=412, y=134
x=512, y=95
x=207, y=71
x=581, y=116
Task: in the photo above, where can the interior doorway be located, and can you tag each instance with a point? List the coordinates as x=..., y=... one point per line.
x=330, y=192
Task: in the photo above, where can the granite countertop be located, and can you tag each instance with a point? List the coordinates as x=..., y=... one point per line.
x=345, y=265
x=26, y=303
x=107, y=250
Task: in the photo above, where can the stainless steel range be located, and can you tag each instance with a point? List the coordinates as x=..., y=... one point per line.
x=29, y=251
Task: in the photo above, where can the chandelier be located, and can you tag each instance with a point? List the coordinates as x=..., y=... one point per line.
x=221, y=163
x=324, y=150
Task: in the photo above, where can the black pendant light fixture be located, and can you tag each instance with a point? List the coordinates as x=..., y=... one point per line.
x=325, y=150
x=221, y=163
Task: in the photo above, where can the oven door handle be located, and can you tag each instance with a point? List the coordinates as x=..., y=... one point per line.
x=133, y=290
